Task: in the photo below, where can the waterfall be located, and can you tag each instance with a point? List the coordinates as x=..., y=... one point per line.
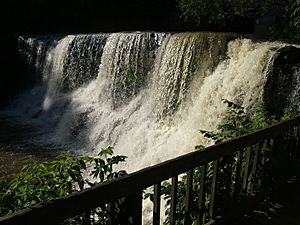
x=184, y=57
x=147, y=94
x=294, y=95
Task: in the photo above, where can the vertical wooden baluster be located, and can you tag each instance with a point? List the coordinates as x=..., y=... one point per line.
x=269, y=146
x=289, y=143
x=286, y=151
x=298, y=142
x=246, y=170
x=298, y=136
x=295, y=145
x=254, y=167
x=228, y=167
x=111, y=214
x=278, y=156
x=156, y=204
x=201, y=200
x=173, y=200
x=188, y=198
x=271, y=143
x=87, y=218
x=263, y=159
x=134, y=207
x=212, y=206
x=237, y=179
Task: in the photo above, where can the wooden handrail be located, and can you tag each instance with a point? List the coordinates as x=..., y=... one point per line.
x=80, y=202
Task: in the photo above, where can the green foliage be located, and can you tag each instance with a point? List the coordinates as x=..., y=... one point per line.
x=291, y=22
x=289, y=25
x=42, y=182
x=181, y=192
x=203, y=10
x=221, y=11
x=293, y=9
x=237, y=122
x=288, y=113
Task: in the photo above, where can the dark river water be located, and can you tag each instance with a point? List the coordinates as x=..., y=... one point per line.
x=16, y=147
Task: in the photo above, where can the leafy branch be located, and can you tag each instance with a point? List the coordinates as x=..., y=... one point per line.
x=42, y=182
x=237, y=122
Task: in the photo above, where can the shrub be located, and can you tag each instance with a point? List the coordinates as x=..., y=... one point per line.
x=236, y=123
x=221, y=11
x=42, y=182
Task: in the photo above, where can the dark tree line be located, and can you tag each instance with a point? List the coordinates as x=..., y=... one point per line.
x=223, y=12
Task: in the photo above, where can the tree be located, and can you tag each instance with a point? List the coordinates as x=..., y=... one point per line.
x=292, y=10
x=221, y=11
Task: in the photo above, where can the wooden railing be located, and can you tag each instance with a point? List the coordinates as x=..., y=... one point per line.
x=243, y=154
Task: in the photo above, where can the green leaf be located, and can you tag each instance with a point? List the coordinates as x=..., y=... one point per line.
x=106, y=151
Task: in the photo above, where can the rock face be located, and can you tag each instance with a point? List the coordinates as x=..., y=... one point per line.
x=283, y=81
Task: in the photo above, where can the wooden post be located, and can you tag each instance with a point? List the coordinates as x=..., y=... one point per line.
x=188, y=198
x=156, y=204
x=111, y=213
x=237, y=179
x=297, y=141
x=173, y=200
x=87, y=218
x=246, y=171
x=212, y=206
x=201, y=200
x=254, y=167
x=134, y=208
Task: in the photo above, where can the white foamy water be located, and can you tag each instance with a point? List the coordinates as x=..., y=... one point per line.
x=150, y=93
x=146, y=94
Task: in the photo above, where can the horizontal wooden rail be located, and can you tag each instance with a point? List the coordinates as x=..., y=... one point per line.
x=80, y=202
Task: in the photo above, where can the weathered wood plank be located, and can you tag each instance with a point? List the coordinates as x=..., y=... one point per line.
x=85, y=200
x=201, y=200
x=246, y=171
x=173, y=200
x=212, y=206
x=237, y=179
x=156, y=204
x=87, y=218
x=298, y=138
x=134, y=208
x=297, y=141
x=111, y=213
x=188, y=198
x=254, y=167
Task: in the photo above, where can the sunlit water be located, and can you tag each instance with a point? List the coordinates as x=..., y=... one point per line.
x=147, y=94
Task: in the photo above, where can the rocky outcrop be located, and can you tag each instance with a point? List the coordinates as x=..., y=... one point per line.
x=282, y=88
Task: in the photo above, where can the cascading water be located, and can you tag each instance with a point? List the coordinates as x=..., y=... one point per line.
x=146, y=94
x=184, y=57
